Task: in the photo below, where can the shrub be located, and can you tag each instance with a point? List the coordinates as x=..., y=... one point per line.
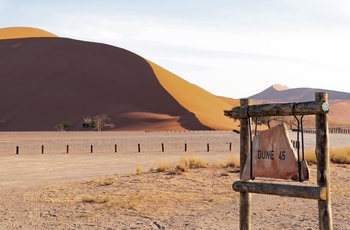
x=97, y=122
x=63, y=126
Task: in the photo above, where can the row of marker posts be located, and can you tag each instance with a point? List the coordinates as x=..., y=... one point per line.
x=116, y=148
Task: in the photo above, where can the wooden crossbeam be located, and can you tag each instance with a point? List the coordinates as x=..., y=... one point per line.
x=308, y=192
x=279, y=109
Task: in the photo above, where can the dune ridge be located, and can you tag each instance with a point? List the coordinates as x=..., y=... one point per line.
x=207, y=107
x=23, y=32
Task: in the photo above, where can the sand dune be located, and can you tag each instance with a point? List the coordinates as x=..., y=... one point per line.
x=48, y=81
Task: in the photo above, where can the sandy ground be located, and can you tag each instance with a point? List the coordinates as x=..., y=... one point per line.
x=100, y=190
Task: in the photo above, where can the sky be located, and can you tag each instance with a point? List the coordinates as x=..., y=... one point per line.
x=232, y=48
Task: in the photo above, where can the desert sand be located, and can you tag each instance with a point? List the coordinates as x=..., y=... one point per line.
x=100, y=190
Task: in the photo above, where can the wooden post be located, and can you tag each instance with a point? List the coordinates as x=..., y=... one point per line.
x=185, y=147
x=207, y=147
x=245, y=197
x=162, y=147
x=17, y=150
x=92, y=149
x=42, y=149
x=230, y=146
x=322, y=159
x=115, y=148
x=67, y=149
x=138, y=148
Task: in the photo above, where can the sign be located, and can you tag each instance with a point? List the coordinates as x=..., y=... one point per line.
x=274, y=157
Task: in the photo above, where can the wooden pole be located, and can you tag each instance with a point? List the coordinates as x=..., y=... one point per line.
x=42, y=149
x=185, y=147
x=17, y=150
x=245, y=197
x=92, y=149
x=322, y=159
x=162, y=147
x=115, y=148
x=67, y=149
x=207, y=147
x=230, y=146
x=138, y=148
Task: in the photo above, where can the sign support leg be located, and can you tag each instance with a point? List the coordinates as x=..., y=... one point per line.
x=323, y=169
x=245, y=197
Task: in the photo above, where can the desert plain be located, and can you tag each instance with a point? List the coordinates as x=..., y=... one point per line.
x=100, y=189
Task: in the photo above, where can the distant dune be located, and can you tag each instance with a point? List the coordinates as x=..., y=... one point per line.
x=48, y=80
x=339, y=101
x=278, y=93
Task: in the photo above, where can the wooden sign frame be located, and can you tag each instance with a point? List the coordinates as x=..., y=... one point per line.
x=319, y=108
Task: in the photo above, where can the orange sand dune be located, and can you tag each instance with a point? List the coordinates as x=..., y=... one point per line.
x=23, y=32
x=47, y=81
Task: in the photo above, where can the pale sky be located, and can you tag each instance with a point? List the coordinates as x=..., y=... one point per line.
x=233, y=48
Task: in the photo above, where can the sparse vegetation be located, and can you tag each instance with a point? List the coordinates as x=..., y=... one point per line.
x=310, y=156
x=139, y=170
x=340, y=155
x=93, y=199
x=135, y=193
x=231, y=162
x=106, y=182
x=97, y=122
x=163, y=166
x=191, y=162
x=62, y=127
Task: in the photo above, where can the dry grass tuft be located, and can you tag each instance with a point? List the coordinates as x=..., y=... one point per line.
x=339, y=155
x=139, y=170
x=182, y=165
x=161, y=167
x=196, y=162
x=191, y=162
x=231, y=162
x=310, y=156
x=96, y=199
x=106, y=181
